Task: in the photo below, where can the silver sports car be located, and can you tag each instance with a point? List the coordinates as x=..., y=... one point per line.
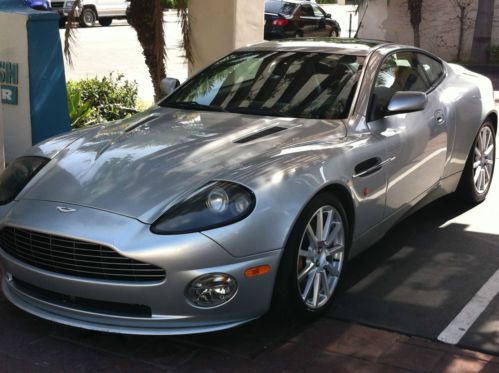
x=246, y=189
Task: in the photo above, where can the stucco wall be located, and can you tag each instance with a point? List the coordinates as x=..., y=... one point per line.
x=220, y=26
x=439, y=26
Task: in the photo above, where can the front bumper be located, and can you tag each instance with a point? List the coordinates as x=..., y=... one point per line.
x=184, y=258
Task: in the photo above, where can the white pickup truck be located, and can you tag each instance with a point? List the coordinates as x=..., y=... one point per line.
x=93, y=11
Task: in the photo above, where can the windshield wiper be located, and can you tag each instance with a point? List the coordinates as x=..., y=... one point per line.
x=193, y=105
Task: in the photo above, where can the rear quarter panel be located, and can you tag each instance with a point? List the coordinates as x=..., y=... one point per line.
x=469, y=98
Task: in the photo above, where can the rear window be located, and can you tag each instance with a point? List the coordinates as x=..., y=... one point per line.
x=277, y=7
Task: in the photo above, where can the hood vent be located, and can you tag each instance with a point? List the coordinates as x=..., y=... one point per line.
x=258, y=135
x=140, y=123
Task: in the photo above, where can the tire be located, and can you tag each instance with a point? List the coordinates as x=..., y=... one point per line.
x=294, y=297
x=105, y=22
x=62, y=22
x=88, y=17
x=298, y=34
x=479, y=169
x=334, y=33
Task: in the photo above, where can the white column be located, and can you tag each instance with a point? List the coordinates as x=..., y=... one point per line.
x=220, y=26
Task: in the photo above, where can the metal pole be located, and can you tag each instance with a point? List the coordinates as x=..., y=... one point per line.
x=350, y=27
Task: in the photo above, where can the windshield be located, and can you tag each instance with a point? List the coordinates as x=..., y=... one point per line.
x=279, y=7
x=285, y=84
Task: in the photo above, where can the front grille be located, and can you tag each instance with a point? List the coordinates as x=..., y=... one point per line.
x=57, y=4
x=74, y=257
x=84, y=304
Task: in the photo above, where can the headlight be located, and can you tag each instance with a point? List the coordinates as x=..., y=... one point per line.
x=15, y=177
x=214, y=205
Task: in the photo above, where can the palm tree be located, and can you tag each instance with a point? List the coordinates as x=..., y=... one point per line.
x=415, y=10
x=146, y=17
x=482, y=36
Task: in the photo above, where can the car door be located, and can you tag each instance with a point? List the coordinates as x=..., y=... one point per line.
x=416, y=143
x=305, y=20
x=108, y=8
x=320, y=22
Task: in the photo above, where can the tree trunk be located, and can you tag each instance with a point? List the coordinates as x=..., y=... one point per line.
x=415, y=10
x=146, y=17
x=482, y=36
x=461, y=31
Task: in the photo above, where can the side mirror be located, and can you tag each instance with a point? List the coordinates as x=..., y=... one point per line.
x=407, y=102
x=168, y=85
x=328, y=15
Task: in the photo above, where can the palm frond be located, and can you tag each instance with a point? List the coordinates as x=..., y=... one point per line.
x=69, y=32
x=182, y=11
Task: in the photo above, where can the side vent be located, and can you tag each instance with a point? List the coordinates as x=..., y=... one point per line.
x=258, y=135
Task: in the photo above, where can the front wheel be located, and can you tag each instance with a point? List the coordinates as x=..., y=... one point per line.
x=477, y=175
x=313, y=259
x=88, y=17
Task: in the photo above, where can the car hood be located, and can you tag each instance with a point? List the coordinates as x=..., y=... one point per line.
x=139, y=167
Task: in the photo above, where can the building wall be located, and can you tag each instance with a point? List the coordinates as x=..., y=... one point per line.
x=439, y=26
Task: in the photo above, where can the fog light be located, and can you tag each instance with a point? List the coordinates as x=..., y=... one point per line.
x=211, y=290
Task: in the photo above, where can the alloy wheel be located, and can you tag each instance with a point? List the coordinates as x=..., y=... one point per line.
x=320, y=257
x=483, y=164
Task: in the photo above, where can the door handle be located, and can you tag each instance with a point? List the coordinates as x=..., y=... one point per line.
x=370, y=166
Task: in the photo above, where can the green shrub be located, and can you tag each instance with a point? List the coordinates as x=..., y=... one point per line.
x=97, y=100
x=169, y=4
x=494, y=54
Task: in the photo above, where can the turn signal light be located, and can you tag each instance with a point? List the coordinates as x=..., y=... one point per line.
x=280, y=22
x=257, y=271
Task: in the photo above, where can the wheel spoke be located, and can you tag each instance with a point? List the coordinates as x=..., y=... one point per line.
x=334, y=233
x=334, y=250
x=327, y=225
x=311, y=236
x=477, y=152
x=317, y=284
x=305, y=271
x=489, y=150
x=476, y=164
x=332, y=270
x=319, y=230
x=309, y=254
x=477, y=176
x=325, y=283
x=308, y=286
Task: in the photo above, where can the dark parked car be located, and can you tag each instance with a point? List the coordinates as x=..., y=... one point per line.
x=285, y=19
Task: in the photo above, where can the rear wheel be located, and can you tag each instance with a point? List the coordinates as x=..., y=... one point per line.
x=105, y=21
x=334, y=33
x=88, y=17
x=477, y=175
x=313, y=259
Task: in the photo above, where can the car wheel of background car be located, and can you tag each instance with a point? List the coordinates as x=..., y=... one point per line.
x=105, y=21
x=313, y=259
x=62, y=22
x=334, y=33
x=88, y=17
x=298, y=34
x=477, y=175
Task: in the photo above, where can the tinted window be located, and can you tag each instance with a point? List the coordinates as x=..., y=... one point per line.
x=433, y=69
x=306, y=11
x=289, y=84
x=318, y=11
x=277, y=7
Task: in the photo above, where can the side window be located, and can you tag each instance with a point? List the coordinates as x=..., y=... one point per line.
x=400, y=72
x=432, y=69
x=307, y=11
x=318, y=11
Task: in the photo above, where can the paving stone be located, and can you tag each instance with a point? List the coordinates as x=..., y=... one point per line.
x=10, y=364
x=212, y=361
x=61, y=356
x=332, y=362
x=321, y=333
x=362, y=342
x=459, y=364
x=411, y=357
x=289, y=356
